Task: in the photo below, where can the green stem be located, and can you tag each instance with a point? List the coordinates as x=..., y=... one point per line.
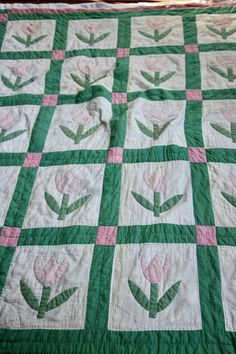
x=79, y=134
x=230, y=75
x=91, y=39
x=64, y=205
x=233, y=132
x=156, y=35
x=17, y=83
x=43, y=302
x=157, y=78
x=157, y=202
x=28, y=41
x=3, y=132
x=224, y=33
x=153, y=300
x=155, y=131
x=87, y=80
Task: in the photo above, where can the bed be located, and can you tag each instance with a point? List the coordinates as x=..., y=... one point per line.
x=117, y=179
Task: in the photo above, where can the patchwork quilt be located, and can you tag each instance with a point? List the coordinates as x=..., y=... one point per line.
x=118, y=181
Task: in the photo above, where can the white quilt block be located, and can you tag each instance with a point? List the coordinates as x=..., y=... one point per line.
x=65, y=195
x=156, y=193
x=154, y=269
x=81, y=72
x=216, y=28
x=8, y=180
x=156, y=71
x=23, y=76
x=219, y=124
x=47, y=271
x=227, y=258
x=16, y=124
x=100, y=34
x=149, y=31
x=29, y=36
x=80, y=127
x=218, y=70
x=152, y=123
x=223, y=193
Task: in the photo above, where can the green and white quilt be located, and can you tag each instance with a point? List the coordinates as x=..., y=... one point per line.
x=118, y=181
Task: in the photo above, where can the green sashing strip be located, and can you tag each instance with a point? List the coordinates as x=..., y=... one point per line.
x=3, y=27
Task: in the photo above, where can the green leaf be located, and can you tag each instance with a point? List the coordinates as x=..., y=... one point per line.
x=147, y=77
x=141, y=200
x=52, y=203
x=164, y=34
x=146, y=34
x=7, y=82
x=60, y=299
x=214, y=30
x=38, y=39
x=101, y=38
x=77, y=204
x=13, y=135
x=170, y=203
x=233, y=30
x=82, y=38
x=19, y=39
x=68, y=132
x=167, y=77
x=168, y=297
x=91, y=131
x=221, y=130
x=138, y=294
x=77, y=80
x=219, y=72
x=164, y=127
x=144, y=129
x=27, y=82
x=230, y=198
x=29, y=296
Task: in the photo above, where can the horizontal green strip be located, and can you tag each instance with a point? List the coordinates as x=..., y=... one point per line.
x=221, y=155
x=12, y=159
x=219, y=94
x=58, y=236
x=73, y=157
x=19, y=100
x=226, y=236
x=158, y=95
x=85, y=95
x=91, y=53
x=156, y=154
x=216, y=47
x=165, y=49
x=159, y=233
x=25, y=55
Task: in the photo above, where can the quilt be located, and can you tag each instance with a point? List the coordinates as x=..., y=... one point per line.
x=118, y=181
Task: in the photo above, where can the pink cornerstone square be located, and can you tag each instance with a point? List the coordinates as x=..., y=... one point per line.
x=32, y=159
x=106, y=235
x=206, y=235
x=122, y=52
x=194, y=95
x=58, y=55
x=3, y=17
x=196, y=154
x=49, y=100
x=191, y=48
x=119, y=98
x=115, y=155
x=9, y=236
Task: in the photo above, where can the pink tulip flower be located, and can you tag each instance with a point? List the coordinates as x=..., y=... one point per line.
x=86, y=68
x=154, y=180
x=222, y=22
x=158, y=64
x=154, y=116
x=92, y=27
x=226, y=61
x=21, y=69
x=31, y=28
x=49, y=274
x=156, y=23
x=67, y=182
x=154, y=272
x=230, y=116
x=7, y=122
x=80, y=116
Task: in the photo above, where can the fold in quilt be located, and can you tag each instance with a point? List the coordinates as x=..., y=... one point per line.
x=118, y=181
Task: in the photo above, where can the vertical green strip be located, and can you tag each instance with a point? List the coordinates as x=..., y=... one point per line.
x=192, y=71
x=193, y=124
x=101, y=270
x=6, y=254
x=3, y=27
x=190, y=29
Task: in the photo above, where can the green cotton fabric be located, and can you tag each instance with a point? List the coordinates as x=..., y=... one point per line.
x=117, y=181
